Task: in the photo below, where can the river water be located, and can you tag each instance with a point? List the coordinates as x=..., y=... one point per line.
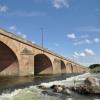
x=25, y=88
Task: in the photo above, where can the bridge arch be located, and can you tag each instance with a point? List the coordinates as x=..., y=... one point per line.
x=63, y=67
x=42, y=64
x=9, y=64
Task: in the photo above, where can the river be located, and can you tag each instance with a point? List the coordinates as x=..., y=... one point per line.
x=25, y=88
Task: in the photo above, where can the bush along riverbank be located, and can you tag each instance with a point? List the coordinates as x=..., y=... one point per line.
x=90, y=86
x=94, y=68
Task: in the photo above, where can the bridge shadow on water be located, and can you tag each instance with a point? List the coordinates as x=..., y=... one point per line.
x=8, y=84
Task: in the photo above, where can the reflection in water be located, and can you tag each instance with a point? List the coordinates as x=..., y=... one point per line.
x=11, y=83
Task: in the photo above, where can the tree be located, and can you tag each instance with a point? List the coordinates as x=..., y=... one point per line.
x=95, y=68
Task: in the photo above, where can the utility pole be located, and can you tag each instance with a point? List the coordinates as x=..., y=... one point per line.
x=42, y=38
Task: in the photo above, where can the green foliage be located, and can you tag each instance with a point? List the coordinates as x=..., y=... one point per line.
x=95, y=68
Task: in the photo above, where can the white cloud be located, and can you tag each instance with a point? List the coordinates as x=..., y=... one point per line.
x=88, y=41
x=82, y=54
x=80, y=42
x=52, y=49
x=60, y=3
x=75, y=53
x=24, y=36
x=96, y=40
x=89, y=29
x=89, y=52
x=3, y=8
x=72, y=36
x=12, y=28
x=33, y=42
x=83, y=39
x=85, y=53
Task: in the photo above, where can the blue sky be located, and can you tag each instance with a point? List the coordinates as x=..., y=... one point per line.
x=71, y=27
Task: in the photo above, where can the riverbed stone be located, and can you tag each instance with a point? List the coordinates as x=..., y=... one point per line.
x=91, y=82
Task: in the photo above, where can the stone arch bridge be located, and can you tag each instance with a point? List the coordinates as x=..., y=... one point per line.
x=19, y=57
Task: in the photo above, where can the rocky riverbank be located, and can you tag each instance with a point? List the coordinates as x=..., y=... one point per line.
x=90, y=86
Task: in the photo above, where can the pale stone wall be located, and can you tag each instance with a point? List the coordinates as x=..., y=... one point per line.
x=25, y=53
x=69, y=67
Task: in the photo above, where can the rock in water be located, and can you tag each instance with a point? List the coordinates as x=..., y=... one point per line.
x=57, y=88
x=67, y=91
x=91, y=82
x=60, y=89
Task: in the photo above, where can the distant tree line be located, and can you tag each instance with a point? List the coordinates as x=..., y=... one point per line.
x=94, y=68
